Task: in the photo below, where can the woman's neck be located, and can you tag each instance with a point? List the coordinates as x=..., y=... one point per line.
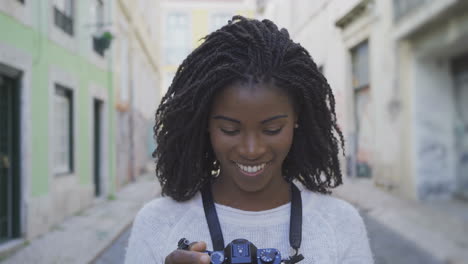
x=274, y=195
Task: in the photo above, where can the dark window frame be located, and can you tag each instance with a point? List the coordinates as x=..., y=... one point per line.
x=65, y=21
x=360, y=62
x=66, y=92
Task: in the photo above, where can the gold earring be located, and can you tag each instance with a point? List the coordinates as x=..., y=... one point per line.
x=215, y=173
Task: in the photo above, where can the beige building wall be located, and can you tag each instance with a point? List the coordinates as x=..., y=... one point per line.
x=137, y=81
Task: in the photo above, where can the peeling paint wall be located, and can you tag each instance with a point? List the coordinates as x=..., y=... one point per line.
x=438, y=153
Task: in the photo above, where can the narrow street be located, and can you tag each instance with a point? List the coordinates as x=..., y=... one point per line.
x=115, y=254
x=387, y=246
x=390, y=247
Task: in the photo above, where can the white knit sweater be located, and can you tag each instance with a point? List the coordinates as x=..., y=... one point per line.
x=332, y=230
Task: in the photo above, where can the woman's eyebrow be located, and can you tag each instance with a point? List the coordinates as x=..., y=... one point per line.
x=238, y=122
x=226, y=118
x=273, y=118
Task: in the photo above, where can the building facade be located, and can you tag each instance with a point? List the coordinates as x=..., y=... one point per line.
x=137, y=84
x=57, y=139
x=398, y=71
x=185, y=22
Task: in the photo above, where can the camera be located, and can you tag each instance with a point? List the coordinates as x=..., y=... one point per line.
x=241, y=251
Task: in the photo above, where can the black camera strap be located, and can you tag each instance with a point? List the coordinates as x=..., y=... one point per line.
x=295, y=223
x=212, y=218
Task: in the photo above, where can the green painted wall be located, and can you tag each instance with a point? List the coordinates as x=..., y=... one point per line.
x=46, y=54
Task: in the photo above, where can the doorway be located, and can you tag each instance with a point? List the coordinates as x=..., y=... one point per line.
x=97, y=149
x=9, y=158
x=363, y=117
x=460, y=72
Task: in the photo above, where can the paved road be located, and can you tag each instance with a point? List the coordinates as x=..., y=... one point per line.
x=387, y=246
x=115, y=254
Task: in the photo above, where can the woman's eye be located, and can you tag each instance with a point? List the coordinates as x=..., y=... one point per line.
x=229, y=132
x=272, y=131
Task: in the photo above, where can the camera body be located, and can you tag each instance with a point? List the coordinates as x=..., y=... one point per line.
x=241, y=251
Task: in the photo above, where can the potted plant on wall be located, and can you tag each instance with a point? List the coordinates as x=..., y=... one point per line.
x=102, y=42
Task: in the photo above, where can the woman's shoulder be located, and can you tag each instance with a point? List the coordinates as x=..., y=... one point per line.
x=331, y=208
x=165, y=210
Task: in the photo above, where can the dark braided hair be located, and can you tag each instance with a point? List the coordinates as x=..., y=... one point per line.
x=239, y=51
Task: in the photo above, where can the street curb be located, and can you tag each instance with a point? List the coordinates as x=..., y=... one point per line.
x=441, y=235
x=109, y=245
x=81, y=239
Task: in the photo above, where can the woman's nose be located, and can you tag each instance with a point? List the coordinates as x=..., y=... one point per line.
x=252, y=147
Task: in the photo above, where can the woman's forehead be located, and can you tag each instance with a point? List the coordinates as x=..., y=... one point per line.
x=259, y=98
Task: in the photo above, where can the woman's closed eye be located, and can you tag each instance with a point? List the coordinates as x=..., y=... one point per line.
x=229, y=131
x=272, y=131
x=234, y=131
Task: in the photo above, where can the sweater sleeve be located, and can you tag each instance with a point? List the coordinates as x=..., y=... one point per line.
x=139, y=248
x=352, y=240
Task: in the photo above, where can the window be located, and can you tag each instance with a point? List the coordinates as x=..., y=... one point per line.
x=219, y=20
x=360, y=65
x=403, y=7
x=63, y=15
x=63, y=130
x=177, y=45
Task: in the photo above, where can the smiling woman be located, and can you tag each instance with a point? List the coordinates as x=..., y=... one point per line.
x=251, y=105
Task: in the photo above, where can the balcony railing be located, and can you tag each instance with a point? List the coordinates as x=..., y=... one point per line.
x=403, y=7
x=63, y=21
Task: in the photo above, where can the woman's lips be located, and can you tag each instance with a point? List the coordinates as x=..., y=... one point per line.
x=252, y=174
x=254, y=170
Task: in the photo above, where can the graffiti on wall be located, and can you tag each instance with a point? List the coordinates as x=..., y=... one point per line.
x=433, y=160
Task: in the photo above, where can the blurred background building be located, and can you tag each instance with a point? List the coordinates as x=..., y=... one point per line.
x=137, y=67
x=57, y=132
x=79, y=82
x=399, y=73
x=185, y=22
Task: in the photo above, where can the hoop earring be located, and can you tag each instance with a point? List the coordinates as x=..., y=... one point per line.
x=215, y=173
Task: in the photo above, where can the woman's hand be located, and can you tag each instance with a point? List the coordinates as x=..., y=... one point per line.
x=193, y=255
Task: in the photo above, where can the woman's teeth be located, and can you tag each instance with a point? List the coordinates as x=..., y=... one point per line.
x=251, y=169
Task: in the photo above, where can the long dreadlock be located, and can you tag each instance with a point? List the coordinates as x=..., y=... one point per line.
x=241, y=50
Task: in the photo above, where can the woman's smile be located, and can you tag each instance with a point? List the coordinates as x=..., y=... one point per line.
x=251, y=170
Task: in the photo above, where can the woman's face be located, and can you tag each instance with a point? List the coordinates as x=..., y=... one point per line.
x=251, y=129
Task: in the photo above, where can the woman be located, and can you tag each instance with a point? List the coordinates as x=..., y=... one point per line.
x=248, y=117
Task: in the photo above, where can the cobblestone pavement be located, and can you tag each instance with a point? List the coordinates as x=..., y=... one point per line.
x=387, y=246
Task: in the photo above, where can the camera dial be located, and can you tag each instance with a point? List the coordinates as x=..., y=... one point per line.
x=217, y=257
x=268, y=255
